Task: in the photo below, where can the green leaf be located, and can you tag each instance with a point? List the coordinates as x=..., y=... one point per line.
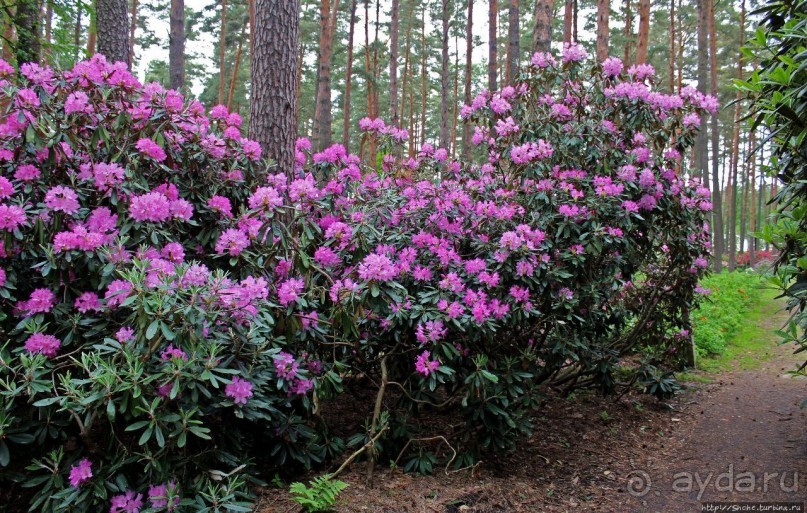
x=152, y=329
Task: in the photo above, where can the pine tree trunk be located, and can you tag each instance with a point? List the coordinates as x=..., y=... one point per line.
x=644, y=31
x=469, y=69
x=222, y=48
x=236, y=65
x=672, y=47
x=603, y=13
x=568, y=14
x=423, y=89
x=176, y=45
x=349, y=76
x=455, y=98
x=368, y=76
x=273, y=96
x=732, y=206
x=444, y=78
x=323, y=117
x=393, y=65
x=132, y=30
x=514, y=43
x=574, y=22
x=376, y=67
x=26, y=23
x=680, y=53
x=112, y=26
x=744, y=202
x=542, y=25
x=46, y=52
x=752, y=222
x=736, y=128
x=493, y=44
x=8, y=38
x=92, y=33
x=628, y=33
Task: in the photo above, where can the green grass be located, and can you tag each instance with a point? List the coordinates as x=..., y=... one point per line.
x=738, y=322
x=754, y=340
x=723, y=312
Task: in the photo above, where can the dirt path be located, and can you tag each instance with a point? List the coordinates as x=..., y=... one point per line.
x=632, y=455
x=742, y=439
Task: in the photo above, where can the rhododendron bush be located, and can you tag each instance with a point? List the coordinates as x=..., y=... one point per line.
x=172, y=302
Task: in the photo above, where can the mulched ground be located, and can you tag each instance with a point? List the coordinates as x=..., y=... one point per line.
x=590, y=453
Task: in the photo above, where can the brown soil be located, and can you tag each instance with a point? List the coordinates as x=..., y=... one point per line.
x=632, y=454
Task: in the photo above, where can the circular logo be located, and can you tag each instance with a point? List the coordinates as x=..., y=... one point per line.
x=639, y=483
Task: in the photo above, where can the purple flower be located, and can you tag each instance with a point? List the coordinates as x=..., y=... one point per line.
x=377, y=267
x=40, y=301
x=424, y=365
x=285, y=365
x=125, y=334
x=27, y=173
x=89, y=301
x=80, y=472
x=153, y=206
x=612, y=67
x=130, y=502
x=151, y=149
x=232, y=241
x=159, y=496
x=289, y=291
x=239, y=390
x=48, y=345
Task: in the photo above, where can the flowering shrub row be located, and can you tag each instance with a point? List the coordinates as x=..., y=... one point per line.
x=170, y=300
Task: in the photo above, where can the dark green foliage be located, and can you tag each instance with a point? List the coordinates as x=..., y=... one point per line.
x=778, y=90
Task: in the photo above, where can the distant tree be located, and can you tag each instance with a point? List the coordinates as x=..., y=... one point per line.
x=26, y=25
x=603, y=12
x=542, y=25
x=176, y=44
x=493, y=44
x=644, y=31
x=513, y=42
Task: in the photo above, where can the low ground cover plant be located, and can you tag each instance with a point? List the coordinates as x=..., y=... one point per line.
x=730, y=296
x=177, y=312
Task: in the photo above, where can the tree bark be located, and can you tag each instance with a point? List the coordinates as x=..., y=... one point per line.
x=222, y=49
x=176, y=45
x=236, y=66
x=273, y=99
x=568, y=14
x=701, y=150
x=111, y=20
x=469, y=69
x=444, y=78
x=349, y=76
x=680, y=53
x=323, y=115
x=132, y=29
x=493, y=44
x=26, y=23
x=736, y=128
x=393, y=65
x=628, y=33
x=46, y=52
x=514, y=43
x=644, y=31
x=455, y=98
x=542, y=25
x=671, y=69
x=423, y=89
x=603, y=14
x=92, y=33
